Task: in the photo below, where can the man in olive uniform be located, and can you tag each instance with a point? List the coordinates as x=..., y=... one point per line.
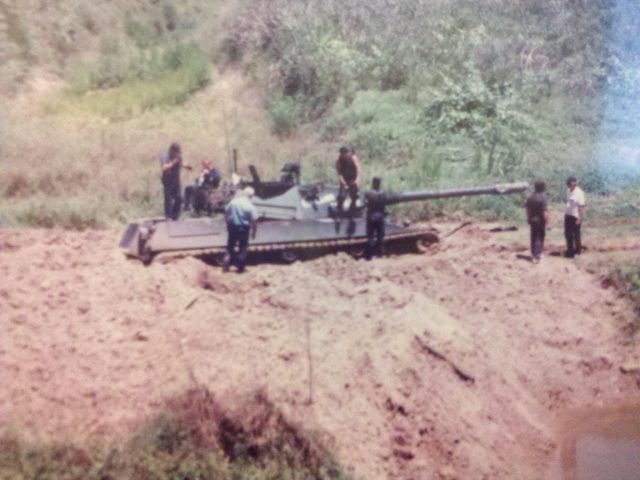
x=348, y=168
x=538, y=219
x=377, y=200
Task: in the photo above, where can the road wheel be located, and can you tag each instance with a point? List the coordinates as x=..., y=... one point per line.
x=426, y=241
x=289, y=256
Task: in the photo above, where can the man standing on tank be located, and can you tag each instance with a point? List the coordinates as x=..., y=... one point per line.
x=241, y=218
x=376, y=200
x=348, y=168
x=574, y=215
x=538, y=219
x=171, y=163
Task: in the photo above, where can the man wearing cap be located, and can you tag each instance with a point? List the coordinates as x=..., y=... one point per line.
x=241, y=217
x=574, y=215
x=538, y=219
x=348, y=168
x=377, y=200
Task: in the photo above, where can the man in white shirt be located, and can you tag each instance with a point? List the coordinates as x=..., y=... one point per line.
x=573, y=217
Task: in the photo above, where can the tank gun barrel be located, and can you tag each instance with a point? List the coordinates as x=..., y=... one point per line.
x=499, y=189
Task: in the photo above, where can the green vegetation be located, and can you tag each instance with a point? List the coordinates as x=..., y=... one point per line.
x=195, y=439
x=443, y=92
x=430, y=93
x=154, y=65
x=626, y=279
x=620, y=270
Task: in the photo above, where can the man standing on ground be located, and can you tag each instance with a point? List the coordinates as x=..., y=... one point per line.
x=377, y=200
x=538, y=219
x=574, y=215
x=241, y=217
x=171, y=163
x=348, y=168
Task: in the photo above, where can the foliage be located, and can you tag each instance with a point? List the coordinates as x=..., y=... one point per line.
x=431, y=93
x=285, y=115
x=506, y=90
x=625, y=278
x=496, y=124
x=150, y=63
x=195, y=439
x=121, y=87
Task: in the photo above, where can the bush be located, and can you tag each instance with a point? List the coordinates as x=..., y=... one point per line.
x=194, y=439
x=117, y=67
x=57, y=212
x=285, y=115
x=626, y=279
x=148, y=80
x=441, y=90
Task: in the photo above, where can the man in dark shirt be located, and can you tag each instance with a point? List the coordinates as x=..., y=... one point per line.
x=171, y=163
x=538, y=218
x=377, y=200
x=196, y=196
x=348, y=168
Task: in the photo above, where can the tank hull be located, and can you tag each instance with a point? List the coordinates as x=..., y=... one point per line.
x=147, y=238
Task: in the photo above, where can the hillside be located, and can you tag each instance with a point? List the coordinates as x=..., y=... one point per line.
x=429, y=93
x=467, y=362
x=462, y=366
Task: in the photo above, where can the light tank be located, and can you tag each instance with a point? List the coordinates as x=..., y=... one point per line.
x=293, y=220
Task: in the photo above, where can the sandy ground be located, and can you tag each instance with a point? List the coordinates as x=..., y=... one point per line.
x=452, y=364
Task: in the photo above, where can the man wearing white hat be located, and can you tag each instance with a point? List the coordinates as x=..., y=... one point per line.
x=241, y=217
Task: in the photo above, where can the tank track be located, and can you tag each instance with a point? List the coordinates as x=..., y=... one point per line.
x=403, y=237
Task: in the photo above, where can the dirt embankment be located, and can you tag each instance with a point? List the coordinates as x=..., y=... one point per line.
x=447, y=365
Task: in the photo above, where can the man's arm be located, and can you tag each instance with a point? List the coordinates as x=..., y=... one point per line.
x=356, y=162
x=581, y=209
x=254, y=223
x=582, y=205
x=168, y=165
x=340, y=177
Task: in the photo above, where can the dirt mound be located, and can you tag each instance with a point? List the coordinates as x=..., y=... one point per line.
x=451, y=365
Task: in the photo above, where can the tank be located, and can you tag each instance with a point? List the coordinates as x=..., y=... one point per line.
x=294, y=220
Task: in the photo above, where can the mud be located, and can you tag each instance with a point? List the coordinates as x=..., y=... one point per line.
x=598, y=443
x=455, y=364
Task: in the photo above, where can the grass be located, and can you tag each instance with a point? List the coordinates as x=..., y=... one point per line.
x=194, y=438
x=625, y=278
x=122, y=84
x=134, y=97
x=621, y=271
x=78, y=169
x=431, y=95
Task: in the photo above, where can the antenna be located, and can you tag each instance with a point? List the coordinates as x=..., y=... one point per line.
x=226, y=136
